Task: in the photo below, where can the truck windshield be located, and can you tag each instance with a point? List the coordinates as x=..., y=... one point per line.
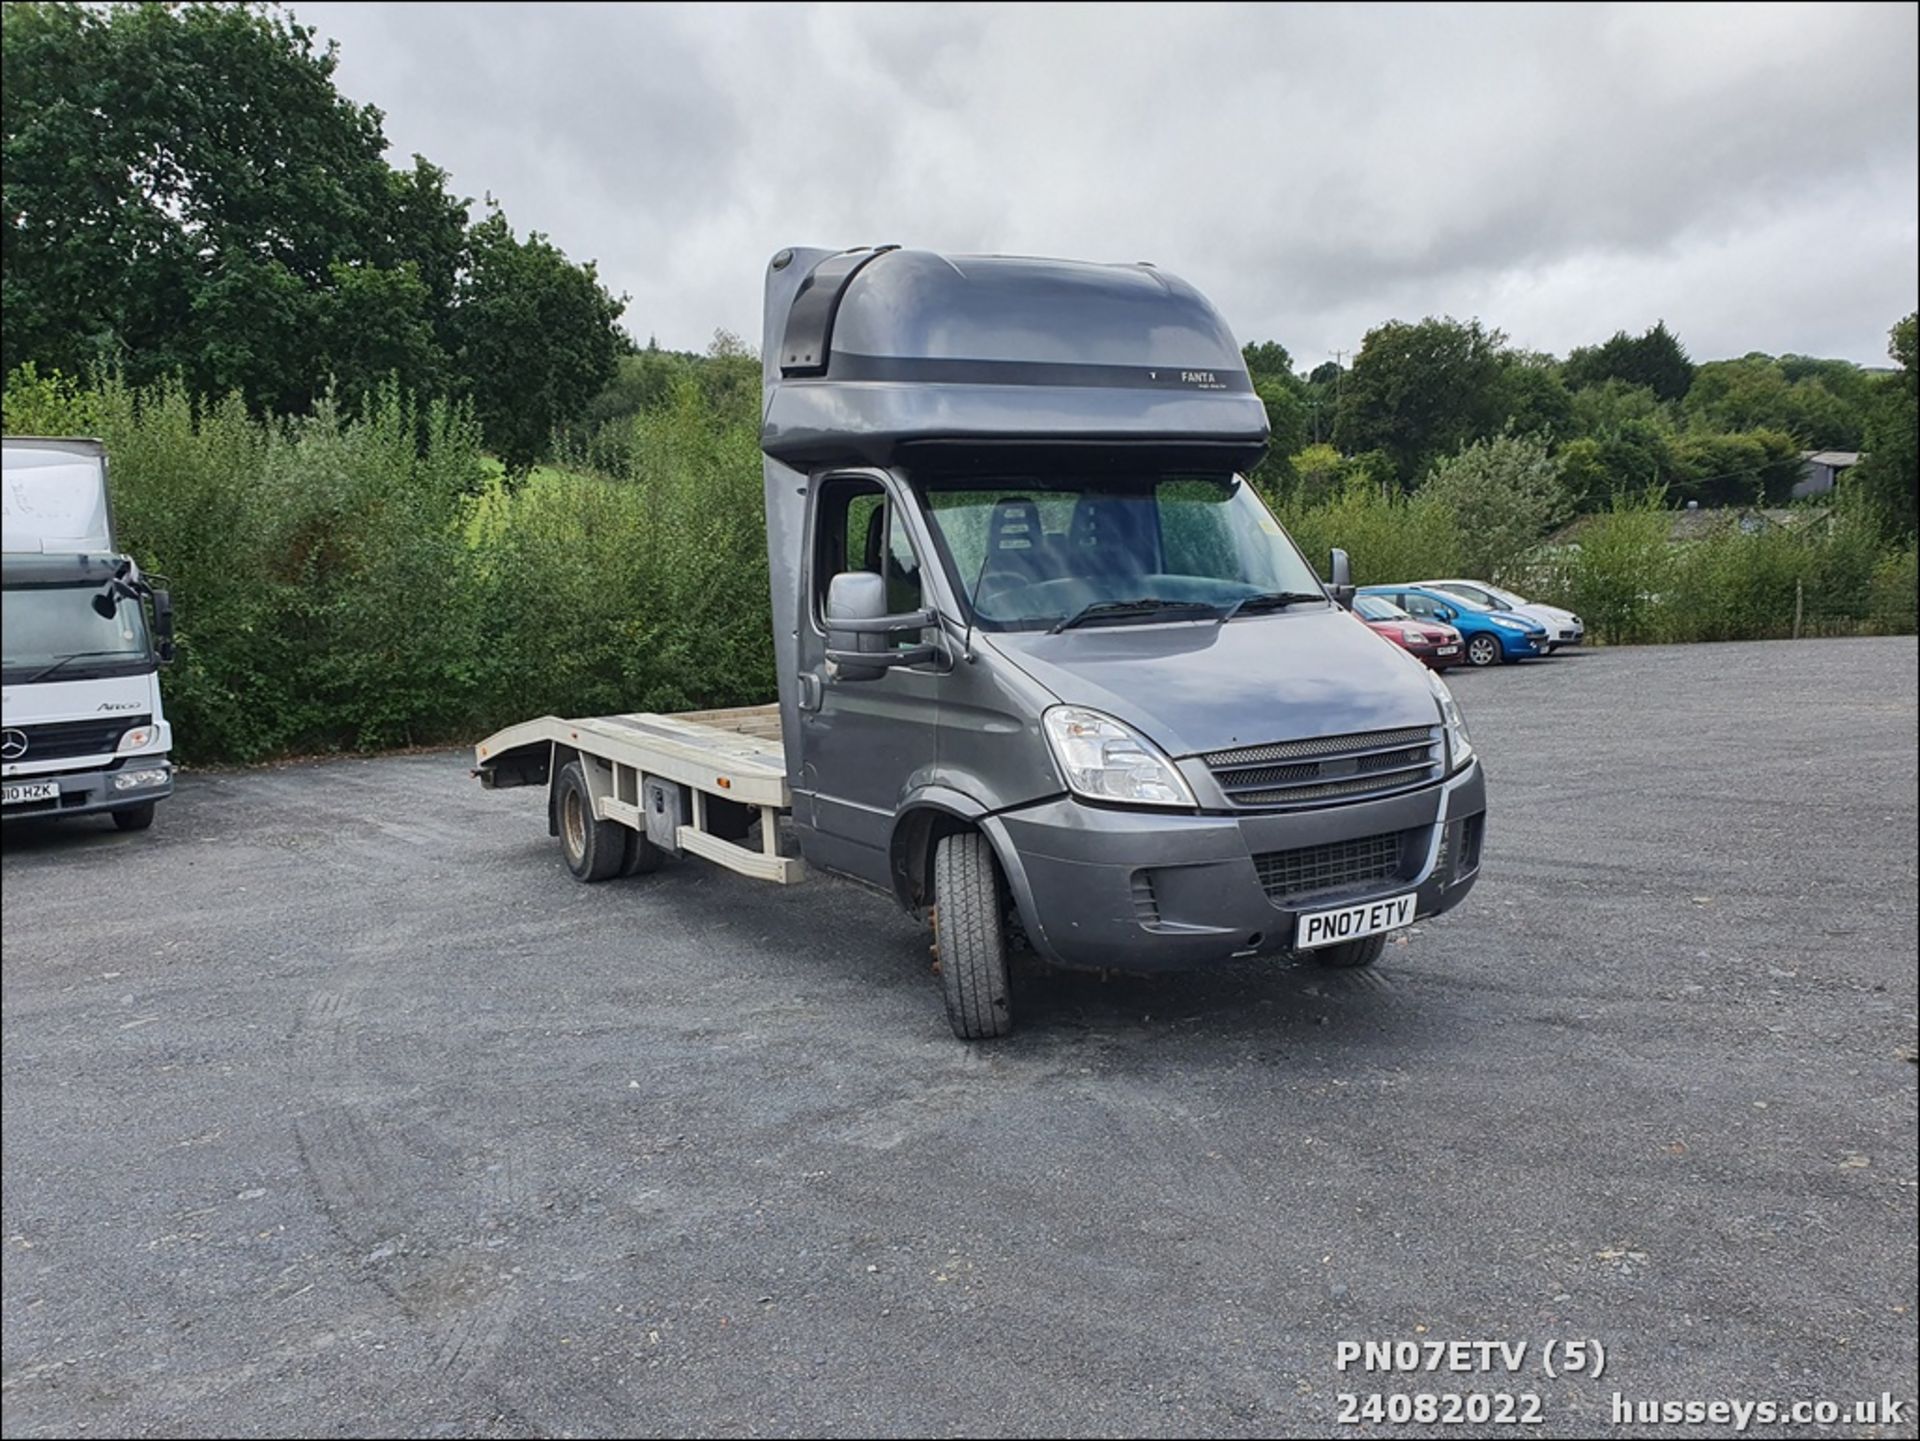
x=1033, y=553
x=42, y=626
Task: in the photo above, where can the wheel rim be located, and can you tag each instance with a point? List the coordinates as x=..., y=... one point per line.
x=1482, y=650
x=573, y=825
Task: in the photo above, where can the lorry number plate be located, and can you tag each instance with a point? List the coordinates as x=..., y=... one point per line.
x=23, y=794
x=1350, y=923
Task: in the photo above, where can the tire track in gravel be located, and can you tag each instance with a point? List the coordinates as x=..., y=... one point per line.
x=389, y=1186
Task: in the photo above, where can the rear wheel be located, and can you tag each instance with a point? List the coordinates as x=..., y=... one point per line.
x=1482, y=651
x=134, y=818
x=1353, y=955
x=970, y=937
x=641, y=855
x=594, y=849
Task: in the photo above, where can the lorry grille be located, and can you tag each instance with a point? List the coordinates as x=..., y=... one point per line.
x=1328, y=769
x=1288, y=875
x=75, y=738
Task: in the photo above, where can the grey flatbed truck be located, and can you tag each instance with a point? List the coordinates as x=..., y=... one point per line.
x=1048, y=668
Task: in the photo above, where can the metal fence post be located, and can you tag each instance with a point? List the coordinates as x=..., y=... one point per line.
x=1799, y=605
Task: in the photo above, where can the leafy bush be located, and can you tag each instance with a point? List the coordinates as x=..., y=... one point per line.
x=1891, y=595
x=1389, y=537
x=1614, y=576
x=1505, y=494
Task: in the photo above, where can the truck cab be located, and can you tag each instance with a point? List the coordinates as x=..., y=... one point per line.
x=1024, y=595
x=82, y=638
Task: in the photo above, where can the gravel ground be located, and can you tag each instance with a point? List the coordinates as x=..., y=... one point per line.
x=333, y=1106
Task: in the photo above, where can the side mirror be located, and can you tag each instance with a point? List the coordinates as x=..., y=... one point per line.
x=163, y=626
x=1340, y=578
x=1445, y=613
x=860, y=632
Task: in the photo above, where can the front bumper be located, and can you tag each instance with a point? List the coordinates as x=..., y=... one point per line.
x=92, y=789
x=1520, y=646
x=1431, y=654
x=1144, y=891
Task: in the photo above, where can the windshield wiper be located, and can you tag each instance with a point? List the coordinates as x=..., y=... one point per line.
x=46, y=671
x=1103, y=608
x=1268, y=600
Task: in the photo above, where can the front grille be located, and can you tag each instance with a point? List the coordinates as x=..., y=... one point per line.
x=1328, y=768
x=73, y=738
x=1310, y=870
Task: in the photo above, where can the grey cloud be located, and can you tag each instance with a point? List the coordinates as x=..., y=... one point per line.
x=1746, y=172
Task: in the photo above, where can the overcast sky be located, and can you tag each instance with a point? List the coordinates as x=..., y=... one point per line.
x=1747, y=173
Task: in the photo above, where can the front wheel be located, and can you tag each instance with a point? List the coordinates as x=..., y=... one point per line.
x=1352, y=955
x=134, y=818
x=970, y=937
x=1483, y=651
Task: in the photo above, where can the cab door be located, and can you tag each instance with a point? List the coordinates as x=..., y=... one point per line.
x=863, y=743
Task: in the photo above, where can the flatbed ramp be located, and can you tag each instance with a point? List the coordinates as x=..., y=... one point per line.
x=734, y=756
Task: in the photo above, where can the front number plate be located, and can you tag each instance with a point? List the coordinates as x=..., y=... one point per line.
x=26, y=794
x=1350, y=923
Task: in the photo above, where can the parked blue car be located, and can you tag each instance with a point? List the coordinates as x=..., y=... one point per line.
x=1489, y=636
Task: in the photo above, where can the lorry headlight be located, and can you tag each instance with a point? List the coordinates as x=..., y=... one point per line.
x=1106, y=760
x=135, y=780
x=1459, y=744
x=137, y=739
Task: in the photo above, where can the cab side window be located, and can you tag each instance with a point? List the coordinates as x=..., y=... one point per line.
x=856, y=527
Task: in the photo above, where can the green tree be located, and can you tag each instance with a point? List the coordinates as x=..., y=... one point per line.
x=1505, y=494
x=1750, y=467
x=1756, y=392
x=1883, y=484
x=1267, y=357
x=1655, y=359
x=535, y=339
x=1421, y=391
x=1533, y=400
x=1603, y=409
x=180, y=184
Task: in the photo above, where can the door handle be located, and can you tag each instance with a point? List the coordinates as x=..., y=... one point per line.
x=811, y=690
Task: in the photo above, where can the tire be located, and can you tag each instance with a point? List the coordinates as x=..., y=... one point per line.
x=134, y=818
x=593, y=850
x=1483, y=650
x=970, y=937
x=640, y=855
x=1351, y=956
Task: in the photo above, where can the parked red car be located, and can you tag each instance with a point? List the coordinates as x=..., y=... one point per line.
x=1436, y=644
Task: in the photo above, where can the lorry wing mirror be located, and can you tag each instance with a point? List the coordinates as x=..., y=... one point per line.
x=860, y=632
x=163, y=625
x=1340, y=578
x=105, y=603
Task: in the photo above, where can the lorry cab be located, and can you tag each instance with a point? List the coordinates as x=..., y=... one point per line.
x=1025, y=601
x=80, y=656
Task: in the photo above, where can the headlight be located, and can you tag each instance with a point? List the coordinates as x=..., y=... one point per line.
x=1459, y=744
x=139, y=738
x=1507, y=622
x=1412, y=636
x=1105, y=760
x=136, y=780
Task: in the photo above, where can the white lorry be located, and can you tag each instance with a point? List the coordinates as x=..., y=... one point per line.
x=80, y=655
